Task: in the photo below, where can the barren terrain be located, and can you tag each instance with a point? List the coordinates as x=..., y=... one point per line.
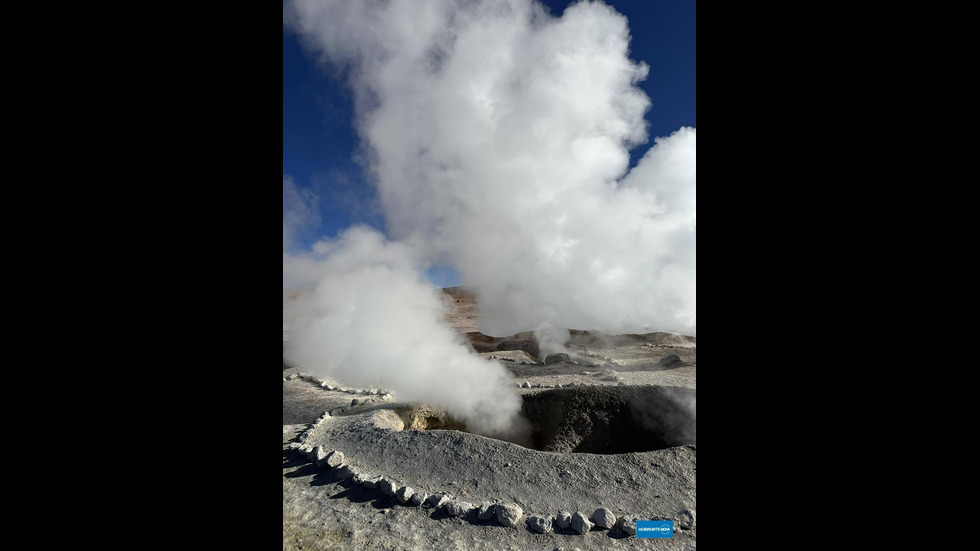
x=613, y=428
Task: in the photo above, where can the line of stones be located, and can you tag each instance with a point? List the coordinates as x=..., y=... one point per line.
x=506, y=514
x=386, y=394
x=382, y=394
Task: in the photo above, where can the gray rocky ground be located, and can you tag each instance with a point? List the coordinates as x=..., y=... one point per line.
x=323, y=510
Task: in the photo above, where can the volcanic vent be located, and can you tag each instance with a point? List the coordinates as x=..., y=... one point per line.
x=596, y=419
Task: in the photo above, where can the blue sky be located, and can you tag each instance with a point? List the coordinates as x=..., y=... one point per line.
x=319, y=144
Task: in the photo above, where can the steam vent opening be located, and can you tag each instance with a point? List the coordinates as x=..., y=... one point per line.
x=608, y=420
x=600, y=420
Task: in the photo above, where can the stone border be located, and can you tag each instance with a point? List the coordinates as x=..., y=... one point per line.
x=384, y=395
x=505, y=514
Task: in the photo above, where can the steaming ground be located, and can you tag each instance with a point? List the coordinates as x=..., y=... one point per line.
x=322, y=513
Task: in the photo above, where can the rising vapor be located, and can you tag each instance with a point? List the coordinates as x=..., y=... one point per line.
x=498, y=137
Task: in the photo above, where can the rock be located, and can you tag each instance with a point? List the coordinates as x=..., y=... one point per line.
x=685, y=519
x=526, y=385
x=555, y=358
x=338, y=410
x=436, y=500
x=458, y=508
x=329, y=387
x=670, y=359
x=604, y=518
x=345, y=471
x=387, y=488
x=419, y=498
x=355, y=402
x=331, y=460
x=581, y=523
x=486, y=510
x=294, y=445
x=564, y=520
x=284, y=379
x=291, y=376
x=383, y=391
x=610, y=375
x=405, y=494
x=509, y=514
x=540, y=525
x=627, y=525
x=319, y=453
x=352, y=391
x=371, y=482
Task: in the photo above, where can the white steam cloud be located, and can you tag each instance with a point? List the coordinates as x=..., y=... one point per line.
x=373, y=320
x=498, y=138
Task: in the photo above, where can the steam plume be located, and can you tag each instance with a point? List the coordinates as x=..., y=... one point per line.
x=498, y=138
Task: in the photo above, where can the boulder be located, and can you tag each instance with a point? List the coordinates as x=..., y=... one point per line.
x=404, y=494
x=540, y=525
x=458, y=508
x=486, y=510
x=564, y=520
x=610, y=375
x=555, y=358
x=685, y=519
x=509, y=514
x=387, y=488
x=371, y=482
x=581, y=523
x=604, y=518
x=419, y=498
x=627, y=525
x=344, y=471
x=670, y=360
x=526, y=385
x=436, y=500
x=318, y=454
x=331, y=460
